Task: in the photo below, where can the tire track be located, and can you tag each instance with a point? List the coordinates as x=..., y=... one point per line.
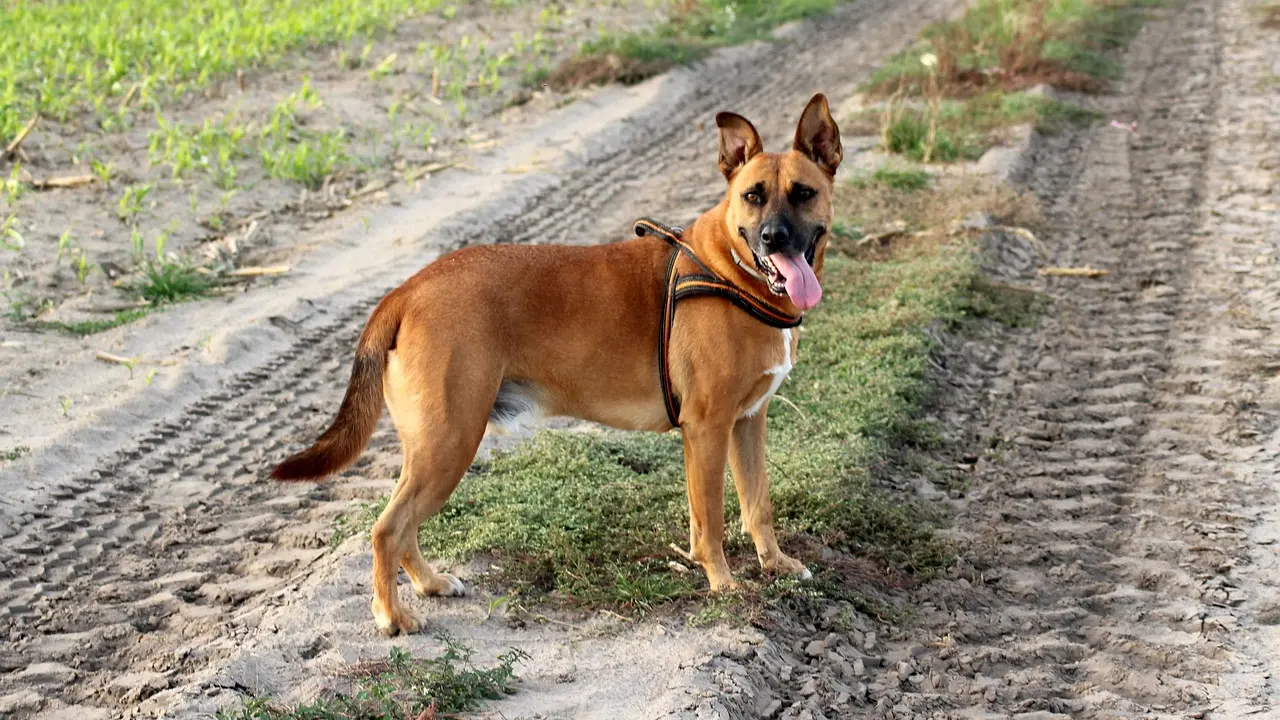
x=1129, y=443
x=152, y=565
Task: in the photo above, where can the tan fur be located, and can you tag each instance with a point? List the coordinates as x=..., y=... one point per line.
x=579, y=326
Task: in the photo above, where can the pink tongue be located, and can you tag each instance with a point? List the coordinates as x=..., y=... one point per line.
x=802, y=284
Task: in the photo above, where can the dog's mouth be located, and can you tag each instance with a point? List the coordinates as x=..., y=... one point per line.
x=790, y=275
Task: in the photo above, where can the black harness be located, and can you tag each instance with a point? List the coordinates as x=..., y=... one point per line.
x=707, y=282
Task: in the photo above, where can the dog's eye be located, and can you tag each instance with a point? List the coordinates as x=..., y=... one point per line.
x=753, y=197
x=802, y=194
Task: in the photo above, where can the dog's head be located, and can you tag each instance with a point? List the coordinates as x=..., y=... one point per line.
x=779, y=204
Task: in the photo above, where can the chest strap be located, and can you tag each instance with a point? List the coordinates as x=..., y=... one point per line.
x=707, y=282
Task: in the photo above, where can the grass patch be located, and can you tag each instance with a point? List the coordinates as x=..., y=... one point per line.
x=14, y=453
x=589, y=516
x=1014, y=44
x=693, y=29
x=170, y=282
x=91, y=327
x=966, y=128
x=400, y=687
x=897, y=178
x=56, y=57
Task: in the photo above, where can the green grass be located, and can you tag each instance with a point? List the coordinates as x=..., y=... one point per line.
x=892, y=177
x=967, y=128
x=589, y=516
x=92, y=327
x=58, y=57
x=212, y=148
x=400, y=687
x=14, y=453
x=170, y=282
x=690, y=33
x=1067, y=43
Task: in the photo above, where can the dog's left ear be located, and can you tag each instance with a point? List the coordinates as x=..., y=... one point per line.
x=817, y=136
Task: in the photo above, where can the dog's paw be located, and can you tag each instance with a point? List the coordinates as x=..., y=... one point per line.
x=397, y=621
x=443, y=585
x=787, y=566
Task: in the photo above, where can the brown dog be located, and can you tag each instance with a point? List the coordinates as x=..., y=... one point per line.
x=486, y=334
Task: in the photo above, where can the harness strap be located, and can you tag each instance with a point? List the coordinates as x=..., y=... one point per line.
x=677, y=287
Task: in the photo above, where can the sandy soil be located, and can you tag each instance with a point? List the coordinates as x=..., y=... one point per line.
x=1118, y=515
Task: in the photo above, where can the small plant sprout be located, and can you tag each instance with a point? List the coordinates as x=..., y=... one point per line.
x=65, y=403
x=134, y=201
x=151, y=375
x=10, y=236
x=14, y=188
x=82, y=266
x=101, y=170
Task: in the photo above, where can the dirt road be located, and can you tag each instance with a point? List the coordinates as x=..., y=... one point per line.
x=1122, y=512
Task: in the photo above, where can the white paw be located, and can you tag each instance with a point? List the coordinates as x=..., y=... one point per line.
x=456, y=588
x=806, y=575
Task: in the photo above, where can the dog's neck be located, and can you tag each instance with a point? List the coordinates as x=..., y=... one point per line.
x=710, y=238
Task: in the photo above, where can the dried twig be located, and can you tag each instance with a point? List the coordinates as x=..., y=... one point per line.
x=63, y=182
x=418, y=172
x=261, y=271
x=117, y=359
x=1087, y=272
x=16, y=143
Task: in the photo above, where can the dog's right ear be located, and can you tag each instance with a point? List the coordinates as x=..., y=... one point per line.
x=739, y=142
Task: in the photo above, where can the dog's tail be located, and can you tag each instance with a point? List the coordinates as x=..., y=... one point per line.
x=343, y=442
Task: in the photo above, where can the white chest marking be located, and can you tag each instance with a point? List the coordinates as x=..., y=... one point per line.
x=779, y=373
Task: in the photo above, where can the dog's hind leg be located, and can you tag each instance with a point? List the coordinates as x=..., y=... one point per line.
x=746, y=459
x=441, y=421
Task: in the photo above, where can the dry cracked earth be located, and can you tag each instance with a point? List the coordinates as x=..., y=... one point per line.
x=1119, y=520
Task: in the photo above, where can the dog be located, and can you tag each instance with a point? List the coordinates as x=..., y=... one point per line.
x=486, y=334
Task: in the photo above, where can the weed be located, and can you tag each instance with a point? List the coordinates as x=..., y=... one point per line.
x=964, y=129
x=92, y=327
x=1018, y=43
x=10, y=235
x=170, y=282
x=401, y=687
x=14, y=453
x=287, y=151
x=14, y=187
x=914, y=136
x=101, y=170
x=897, y=178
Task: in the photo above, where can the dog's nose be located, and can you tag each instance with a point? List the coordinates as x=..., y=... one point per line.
x=775, y=235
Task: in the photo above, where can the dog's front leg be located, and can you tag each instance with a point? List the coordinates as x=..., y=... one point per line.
x=746, y=458
x=706, y=447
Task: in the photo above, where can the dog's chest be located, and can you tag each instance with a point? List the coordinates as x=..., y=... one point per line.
x=782, y=360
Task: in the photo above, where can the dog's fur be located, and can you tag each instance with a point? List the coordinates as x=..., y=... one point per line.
x=486, y=334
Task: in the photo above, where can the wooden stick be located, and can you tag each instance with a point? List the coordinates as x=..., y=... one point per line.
x=128, y=97
x=418, y=172
x=63, y=182
x=117, y=359
x=259, y=271
x=1086, y=272
x=16, y=143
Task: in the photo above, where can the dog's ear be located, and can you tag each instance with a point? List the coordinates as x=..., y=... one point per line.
x=817, y=136
x=739, y=142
